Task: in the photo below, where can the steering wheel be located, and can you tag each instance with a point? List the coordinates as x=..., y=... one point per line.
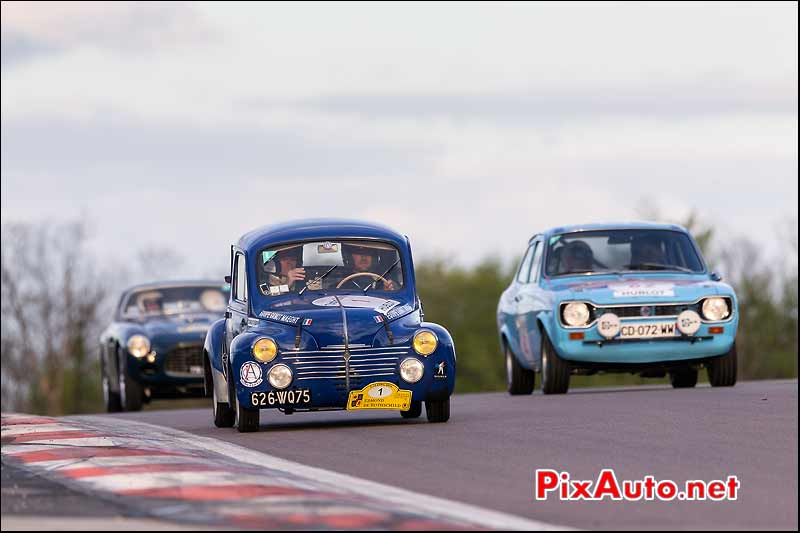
x=375, y=277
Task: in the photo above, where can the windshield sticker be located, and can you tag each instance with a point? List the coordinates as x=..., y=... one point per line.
x=266, y=255
x=280, y=317
x=380, y=305
x=634, y=290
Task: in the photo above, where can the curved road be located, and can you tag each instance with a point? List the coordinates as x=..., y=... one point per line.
x=487, y=453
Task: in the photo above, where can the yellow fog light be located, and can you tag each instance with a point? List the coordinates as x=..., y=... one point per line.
x=265, y=350
x=425, y=342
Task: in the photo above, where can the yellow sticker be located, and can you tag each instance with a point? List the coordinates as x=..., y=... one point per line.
x=379, y=395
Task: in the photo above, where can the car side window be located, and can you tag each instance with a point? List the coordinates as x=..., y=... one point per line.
x=239, y=279
x=536, y=263
x=525, y=266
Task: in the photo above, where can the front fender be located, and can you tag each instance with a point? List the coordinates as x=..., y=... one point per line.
x=213, y=366
x=441, y=388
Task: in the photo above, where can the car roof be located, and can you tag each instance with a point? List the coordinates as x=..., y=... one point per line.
x=163, y=284
x=613, y=225
x=317, y=228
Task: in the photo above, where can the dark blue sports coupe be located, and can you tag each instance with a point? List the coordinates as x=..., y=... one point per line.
x=324, y=314
x=154, y=346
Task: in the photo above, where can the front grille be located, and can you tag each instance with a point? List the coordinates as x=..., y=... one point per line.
x=184, y=362
x=647, y=311
x=328, y=363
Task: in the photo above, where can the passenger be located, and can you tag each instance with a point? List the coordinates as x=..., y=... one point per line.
x=647, y=249
x=283, y=269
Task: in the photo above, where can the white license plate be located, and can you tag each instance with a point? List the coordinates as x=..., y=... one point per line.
x=651, y=330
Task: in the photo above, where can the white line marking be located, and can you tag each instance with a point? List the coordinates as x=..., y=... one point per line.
x=414, y=501
x=25, y=429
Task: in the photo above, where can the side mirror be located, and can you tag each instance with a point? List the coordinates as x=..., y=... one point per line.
x=228, y=280
x=715, y=277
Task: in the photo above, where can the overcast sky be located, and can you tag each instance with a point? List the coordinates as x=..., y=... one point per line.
x=466, y=126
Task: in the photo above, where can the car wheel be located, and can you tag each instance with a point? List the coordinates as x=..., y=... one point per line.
x=130, y=391
x=722, y=370
x=414, y=411
x=110, y=398
x=224, y=416
x=555, y=371
x=438, y=411
x=246, y=420
x=520, y=380
x=684, y=378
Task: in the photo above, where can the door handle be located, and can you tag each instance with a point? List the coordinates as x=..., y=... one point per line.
x=243, y=323
x=517, y=298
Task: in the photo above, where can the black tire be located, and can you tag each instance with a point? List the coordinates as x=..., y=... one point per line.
x=684, y=378
x=131, y=392
x=414, y=411
x=520, y=380
x=224, y=416
x=438, y=411
x=246, y=420
x=722, y=370
x=110, y=398
x=555, y=371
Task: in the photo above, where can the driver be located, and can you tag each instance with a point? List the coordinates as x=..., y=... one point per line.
x=363, y=259
x=647, y=249
x=151, y=303
x=577, y=257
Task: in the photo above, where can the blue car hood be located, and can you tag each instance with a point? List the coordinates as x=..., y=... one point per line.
x=183, y=328
x=637, y=288
x=365, y=316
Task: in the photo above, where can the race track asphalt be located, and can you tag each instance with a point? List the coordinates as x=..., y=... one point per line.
x=487, y=453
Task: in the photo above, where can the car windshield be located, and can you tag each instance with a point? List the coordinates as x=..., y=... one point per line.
x=589, y=252
x=163, y=301
x=352, y=265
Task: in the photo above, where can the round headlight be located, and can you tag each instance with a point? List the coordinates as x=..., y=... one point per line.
x=139, y=346
x=425, y=342
x=688, y=322
x=715, y=309
x=265, y=350
x=411, y=370
x=576, y=314
x=608, y=325
x=280, y=376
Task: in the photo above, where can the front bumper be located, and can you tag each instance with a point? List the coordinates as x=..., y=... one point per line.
x=329, y=387
x=173, y=368
x=594, y=348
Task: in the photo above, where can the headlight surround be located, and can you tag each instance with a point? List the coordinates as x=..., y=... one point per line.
x=265, y=350
x=715, y=309
x=411, y=369
x=425, y=342
x=280, y=376
x=139, y=346
x=576, y=314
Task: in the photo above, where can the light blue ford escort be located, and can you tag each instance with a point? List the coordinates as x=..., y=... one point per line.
x=634, y=297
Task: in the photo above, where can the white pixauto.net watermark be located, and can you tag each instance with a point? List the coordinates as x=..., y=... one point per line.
x=549, y=483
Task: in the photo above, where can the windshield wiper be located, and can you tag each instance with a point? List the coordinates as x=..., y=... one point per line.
x=375, y=281
x=658, y=266
x=316, y=280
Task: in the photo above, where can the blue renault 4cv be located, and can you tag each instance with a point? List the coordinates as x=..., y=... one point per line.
x=324, y=315
x=632, y=298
